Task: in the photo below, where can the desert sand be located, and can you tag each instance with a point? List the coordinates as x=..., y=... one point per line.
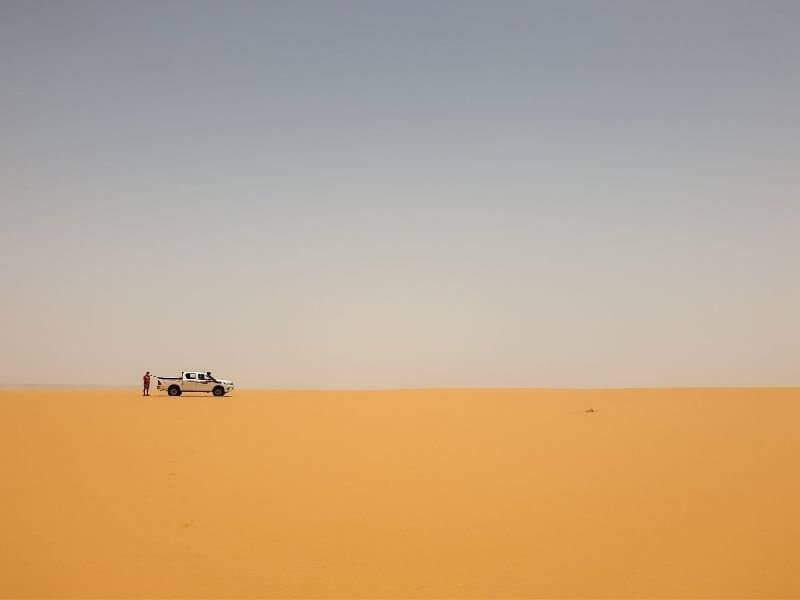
x=412, y=493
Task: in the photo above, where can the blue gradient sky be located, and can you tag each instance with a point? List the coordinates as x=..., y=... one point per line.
x=353, y=194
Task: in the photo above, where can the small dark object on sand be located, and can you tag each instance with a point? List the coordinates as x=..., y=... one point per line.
x=589, y=410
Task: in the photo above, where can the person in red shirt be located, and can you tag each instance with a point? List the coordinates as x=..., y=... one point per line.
x=146, y=381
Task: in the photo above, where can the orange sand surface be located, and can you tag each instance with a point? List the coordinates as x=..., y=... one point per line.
x=413, y=493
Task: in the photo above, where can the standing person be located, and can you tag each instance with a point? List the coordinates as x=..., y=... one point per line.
x=146, y=382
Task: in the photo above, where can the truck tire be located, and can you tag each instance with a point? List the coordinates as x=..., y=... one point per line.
x=219, y=391
x=174, y=390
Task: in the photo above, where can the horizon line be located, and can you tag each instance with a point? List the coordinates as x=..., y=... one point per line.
x=101, y=386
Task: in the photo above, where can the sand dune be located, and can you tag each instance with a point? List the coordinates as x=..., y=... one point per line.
x=479, y=493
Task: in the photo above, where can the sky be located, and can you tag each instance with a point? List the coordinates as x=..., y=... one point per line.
x=401, y=194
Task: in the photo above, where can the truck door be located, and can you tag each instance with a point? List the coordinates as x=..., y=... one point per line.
x=190, y=383
x=203, y=383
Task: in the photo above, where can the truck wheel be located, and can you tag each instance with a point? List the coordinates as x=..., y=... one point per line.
x=219, y=391
x=174, y=390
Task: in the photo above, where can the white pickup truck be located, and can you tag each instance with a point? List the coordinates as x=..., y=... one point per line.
x=194, y=381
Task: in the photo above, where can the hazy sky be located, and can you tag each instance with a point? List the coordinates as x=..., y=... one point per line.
x=362, y=194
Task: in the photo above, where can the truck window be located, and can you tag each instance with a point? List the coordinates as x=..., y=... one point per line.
x=201, y=376
x=191, y=375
